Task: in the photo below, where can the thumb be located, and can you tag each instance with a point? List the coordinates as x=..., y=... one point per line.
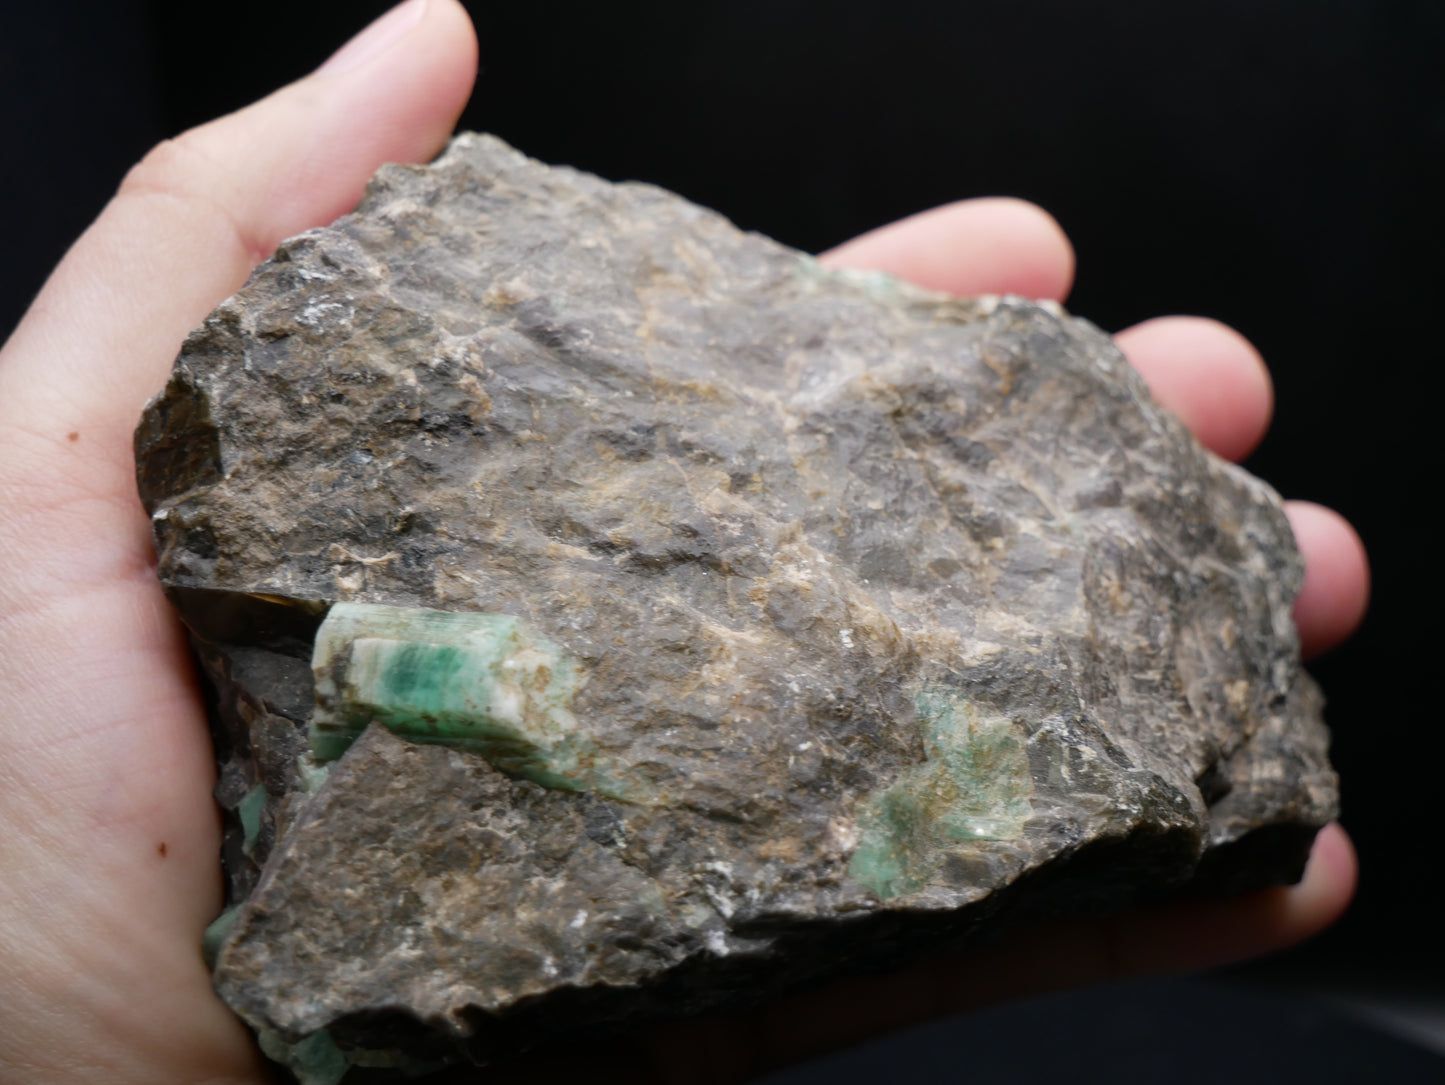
x=191, y=220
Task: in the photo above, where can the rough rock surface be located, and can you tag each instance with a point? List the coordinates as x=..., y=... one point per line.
x=884, y=615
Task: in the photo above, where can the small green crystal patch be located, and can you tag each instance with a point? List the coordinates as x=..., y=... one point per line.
x=249, y=810
x=316, y=1060
x=481, y=682
x=216, y=932
x=975, y=784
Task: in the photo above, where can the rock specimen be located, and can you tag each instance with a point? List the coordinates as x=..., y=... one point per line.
x=611, y=614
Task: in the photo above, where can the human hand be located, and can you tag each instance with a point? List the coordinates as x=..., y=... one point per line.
x=110, y=856
x=108, y=861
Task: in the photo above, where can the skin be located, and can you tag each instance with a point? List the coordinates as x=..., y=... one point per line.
x=109, y=853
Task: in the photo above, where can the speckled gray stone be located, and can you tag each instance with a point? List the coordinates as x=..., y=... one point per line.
x=887, y=616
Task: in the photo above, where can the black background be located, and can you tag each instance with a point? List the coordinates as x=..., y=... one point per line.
x=1276, y=164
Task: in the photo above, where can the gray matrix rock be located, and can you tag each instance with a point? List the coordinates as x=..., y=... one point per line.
x=610, y=614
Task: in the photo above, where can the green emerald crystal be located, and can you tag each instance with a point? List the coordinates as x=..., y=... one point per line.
x=482, y=682
x=974, y=784
x=249, y=809
x=316, y=1060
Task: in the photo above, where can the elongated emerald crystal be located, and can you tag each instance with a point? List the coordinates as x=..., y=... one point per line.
x=482, y=682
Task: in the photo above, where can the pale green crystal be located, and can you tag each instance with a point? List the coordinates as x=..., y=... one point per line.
x=216, y=932
x=975, y=784
x=482, y=682
x=316, y=1060
x=249, y=810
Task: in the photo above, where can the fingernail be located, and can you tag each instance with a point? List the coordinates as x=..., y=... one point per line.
x=376, y=38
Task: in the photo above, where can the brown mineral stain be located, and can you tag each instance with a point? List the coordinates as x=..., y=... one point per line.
x=788, y=850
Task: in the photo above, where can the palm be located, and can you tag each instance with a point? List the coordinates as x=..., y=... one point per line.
x=110, y=862
x=115, y=781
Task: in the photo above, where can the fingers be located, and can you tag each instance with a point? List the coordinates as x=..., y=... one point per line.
x=191, y=220
x=1208, y=375
x=1216, y=383
x=985, y=246
x=1191, y=935
x=1336, y=589
x=1205, y=372
x=1182, y=936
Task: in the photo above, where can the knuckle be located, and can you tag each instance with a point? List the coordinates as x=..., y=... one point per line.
x=170, y=167
x=184, y=170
